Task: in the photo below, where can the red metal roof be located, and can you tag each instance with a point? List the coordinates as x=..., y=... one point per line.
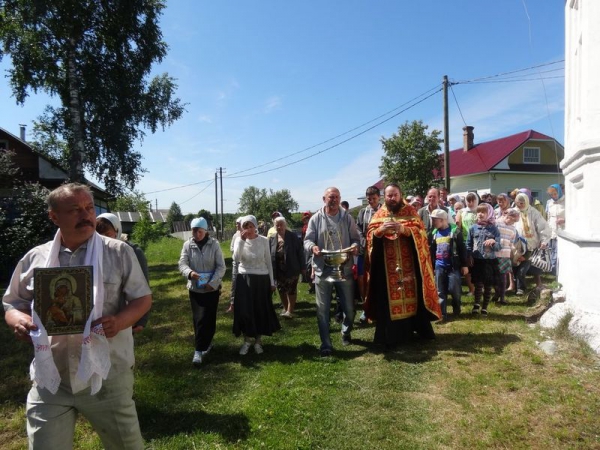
x=483, y=157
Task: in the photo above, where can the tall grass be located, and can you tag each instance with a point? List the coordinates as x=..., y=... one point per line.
x=483, y=383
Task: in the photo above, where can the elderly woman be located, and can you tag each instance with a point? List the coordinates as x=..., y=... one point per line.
x=253, y=315
x=504, y=202
x=287, y=258
x=202, y=264
x=109, y=225
x=534, y=228
x=555, y=210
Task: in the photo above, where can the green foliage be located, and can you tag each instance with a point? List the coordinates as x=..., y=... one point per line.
x=132, y=202
x=145, y=231
x=97, y=58
x=174, y=215
x=8, y=169
x=24, y=224
x=207, y=215
x=261, y=203
x=411, y=158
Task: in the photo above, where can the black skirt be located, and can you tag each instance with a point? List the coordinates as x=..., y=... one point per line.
x=485, y=271
x=253, y=311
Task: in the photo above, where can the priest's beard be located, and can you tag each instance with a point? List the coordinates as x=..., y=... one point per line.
x=393, y=206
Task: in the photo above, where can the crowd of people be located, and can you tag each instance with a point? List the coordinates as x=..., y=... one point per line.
x=404, y=258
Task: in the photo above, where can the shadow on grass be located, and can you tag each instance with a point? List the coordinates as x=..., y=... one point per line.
x=158, y=423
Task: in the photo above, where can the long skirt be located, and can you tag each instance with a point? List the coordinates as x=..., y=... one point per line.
x=254, y=314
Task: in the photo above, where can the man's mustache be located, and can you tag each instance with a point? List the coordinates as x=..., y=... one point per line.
x=84, y=223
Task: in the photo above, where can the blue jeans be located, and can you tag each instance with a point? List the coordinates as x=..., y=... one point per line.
x=520, y=271
x=447, y=281
x=552, y=246
x=324, y=290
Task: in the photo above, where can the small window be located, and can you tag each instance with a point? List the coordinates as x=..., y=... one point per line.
x=3, y=144
x=531, y=155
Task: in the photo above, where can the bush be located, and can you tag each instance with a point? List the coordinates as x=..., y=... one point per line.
x=24, y=224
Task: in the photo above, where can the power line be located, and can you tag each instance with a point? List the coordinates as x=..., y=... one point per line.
x=233, y=175
x=457, y=105
x=335, y=137
x=178, y=187
x=341, y=142
x=511, y=72
x=196, y=195
x=511, y=81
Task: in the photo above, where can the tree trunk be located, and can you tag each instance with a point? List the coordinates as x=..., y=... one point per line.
x=77, y=144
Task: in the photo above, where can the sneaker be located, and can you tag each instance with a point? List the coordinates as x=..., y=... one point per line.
x=258, y=348
x=197, y=358
x=363, y=319
x=484, y=312
x=476, y=308
x=244, y=348
x=346, y=339
x=287, y=315
x=325, y=352
x=519, y=292
x=205, y=352
x=283, y=313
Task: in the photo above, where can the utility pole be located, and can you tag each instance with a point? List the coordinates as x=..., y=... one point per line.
x=221, y=173
x=446, y=137
x=217, y=205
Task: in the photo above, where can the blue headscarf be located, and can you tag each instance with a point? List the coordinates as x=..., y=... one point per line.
x=558, y=190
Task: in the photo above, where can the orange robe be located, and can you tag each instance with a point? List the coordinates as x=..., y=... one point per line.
x=400, y=266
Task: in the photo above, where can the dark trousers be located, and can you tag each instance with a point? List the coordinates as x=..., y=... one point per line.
x=204, y=315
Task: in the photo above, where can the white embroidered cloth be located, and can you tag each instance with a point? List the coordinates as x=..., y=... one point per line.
x=95, y=352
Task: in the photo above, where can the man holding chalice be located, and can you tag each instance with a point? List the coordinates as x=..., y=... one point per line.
x=331, y=234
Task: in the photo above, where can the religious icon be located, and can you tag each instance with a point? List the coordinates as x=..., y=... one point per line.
x=63, y=298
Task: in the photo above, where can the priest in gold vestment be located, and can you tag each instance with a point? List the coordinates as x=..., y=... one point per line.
x=401, y=296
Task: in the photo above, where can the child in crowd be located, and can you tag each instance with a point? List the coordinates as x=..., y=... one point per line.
x=449, y=256
x=508, y=240
x=466, y=219
x=483, y=242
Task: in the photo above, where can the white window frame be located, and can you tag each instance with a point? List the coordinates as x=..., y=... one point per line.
x=530, y=159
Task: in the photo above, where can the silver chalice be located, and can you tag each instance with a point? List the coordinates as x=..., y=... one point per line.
x=336, y=259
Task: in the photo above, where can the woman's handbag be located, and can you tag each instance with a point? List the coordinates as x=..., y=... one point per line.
x=540, y=258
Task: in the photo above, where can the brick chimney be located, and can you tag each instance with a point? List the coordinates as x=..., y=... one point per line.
x=22, y=128
x=468, y=138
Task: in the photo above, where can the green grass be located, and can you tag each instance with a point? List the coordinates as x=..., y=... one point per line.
x=483, y=383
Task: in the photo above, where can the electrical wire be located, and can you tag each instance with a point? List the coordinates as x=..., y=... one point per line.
x=457, y=105
x=335, y=137
x=341, y=142
x=196, y=195
x=510, y=72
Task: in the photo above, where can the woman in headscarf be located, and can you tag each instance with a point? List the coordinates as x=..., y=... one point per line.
x=452, y=200
x=534, y=228
x=504, y=202
x=287, y=258
x=109, y=225
x=534, y=202
x=202, y=264
x=555, y=210
x=254, y=315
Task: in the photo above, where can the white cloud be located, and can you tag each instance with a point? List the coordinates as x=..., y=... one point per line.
x=205, y=119
x=272, y=104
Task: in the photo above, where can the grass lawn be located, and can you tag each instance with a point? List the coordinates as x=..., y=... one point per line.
x=483, y=383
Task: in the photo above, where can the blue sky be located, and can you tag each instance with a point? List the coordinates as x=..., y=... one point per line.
x=266, y=80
